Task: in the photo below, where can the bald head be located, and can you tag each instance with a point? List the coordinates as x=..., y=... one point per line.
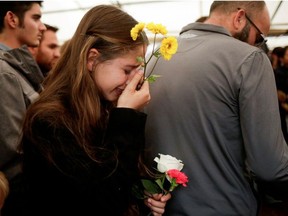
x=247, y=21
x=230, y=6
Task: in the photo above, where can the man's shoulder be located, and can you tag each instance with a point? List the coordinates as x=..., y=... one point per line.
x=12, y=79
x=5, y=66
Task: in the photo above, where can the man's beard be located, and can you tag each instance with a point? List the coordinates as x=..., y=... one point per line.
x=244, y=34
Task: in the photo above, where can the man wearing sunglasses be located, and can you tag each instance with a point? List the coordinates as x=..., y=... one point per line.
x=216, y=108
x=260, y=38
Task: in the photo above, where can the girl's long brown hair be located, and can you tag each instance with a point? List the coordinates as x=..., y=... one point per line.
x=71, y=98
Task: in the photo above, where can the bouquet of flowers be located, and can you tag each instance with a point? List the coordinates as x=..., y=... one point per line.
x=168, y=47
x=168, y=178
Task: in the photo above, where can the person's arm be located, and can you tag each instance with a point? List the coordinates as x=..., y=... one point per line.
x=266, y=149
x=125, y=133
x=12, y=110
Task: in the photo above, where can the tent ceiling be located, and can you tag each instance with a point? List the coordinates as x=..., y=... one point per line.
x=174, y=14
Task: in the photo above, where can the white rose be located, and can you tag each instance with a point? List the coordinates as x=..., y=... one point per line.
x=167, y=162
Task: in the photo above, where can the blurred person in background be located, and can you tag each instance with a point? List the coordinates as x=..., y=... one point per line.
x=201, y=19
x=275, y=57
x=48, y=51
x=281, y=77
x=64, y=45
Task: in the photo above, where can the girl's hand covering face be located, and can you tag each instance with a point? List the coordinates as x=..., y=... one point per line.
x=133, y=97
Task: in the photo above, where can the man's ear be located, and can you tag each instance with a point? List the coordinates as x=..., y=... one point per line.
x=91, y=59
x=239, y=20
x=11, y=19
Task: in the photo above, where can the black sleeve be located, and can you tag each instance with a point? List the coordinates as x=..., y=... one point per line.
x=126, y=132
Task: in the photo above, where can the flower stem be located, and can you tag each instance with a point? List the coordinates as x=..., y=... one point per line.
x=150, y=57
x=152, y=68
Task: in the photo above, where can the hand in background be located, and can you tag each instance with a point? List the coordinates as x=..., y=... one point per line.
x=281, y=96
x=285, y=106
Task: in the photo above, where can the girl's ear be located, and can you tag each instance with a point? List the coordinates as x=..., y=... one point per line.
x=92, y=56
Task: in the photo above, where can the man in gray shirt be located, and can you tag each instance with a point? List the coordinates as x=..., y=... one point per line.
x=215, y=108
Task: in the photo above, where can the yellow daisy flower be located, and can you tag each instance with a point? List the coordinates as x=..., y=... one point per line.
x=136, y=31
x=156, y=28
x=168, y=47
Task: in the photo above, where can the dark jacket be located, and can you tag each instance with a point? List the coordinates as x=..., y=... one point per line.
x=77, y=185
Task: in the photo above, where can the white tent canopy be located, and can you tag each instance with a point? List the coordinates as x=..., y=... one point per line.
x=174, y=14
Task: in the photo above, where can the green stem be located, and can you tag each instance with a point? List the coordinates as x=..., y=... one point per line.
x=152, y=68
x=152, y=54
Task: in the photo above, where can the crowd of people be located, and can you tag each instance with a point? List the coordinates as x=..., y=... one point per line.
x=78, y=132
x=279, y=60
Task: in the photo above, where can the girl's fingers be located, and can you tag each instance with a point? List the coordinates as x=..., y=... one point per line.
x=135, y=80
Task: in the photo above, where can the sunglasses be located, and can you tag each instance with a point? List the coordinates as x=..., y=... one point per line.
x=260, y=39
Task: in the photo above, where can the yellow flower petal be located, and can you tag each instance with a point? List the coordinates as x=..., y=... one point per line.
x=136, y=31
x=156, y=28
x=168, y=47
